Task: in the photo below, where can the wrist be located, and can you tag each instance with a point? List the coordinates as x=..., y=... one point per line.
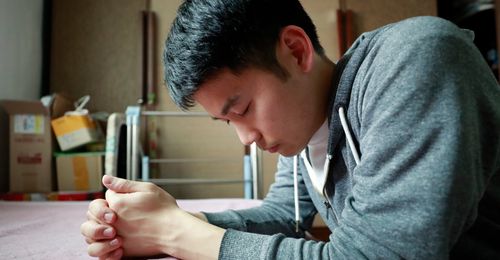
x=200, y=216
x=192, y=237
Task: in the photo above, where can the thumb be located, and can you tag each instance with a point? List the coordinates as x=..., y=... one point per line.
x=122, y=185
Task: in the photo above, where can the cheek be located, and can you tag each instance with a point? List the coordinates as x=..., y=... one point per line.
x=273, y=118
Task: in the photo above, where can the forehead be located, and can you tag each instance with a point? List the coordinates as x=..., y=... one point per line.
x=226, y=84
x=223, y=82
x=214, y=92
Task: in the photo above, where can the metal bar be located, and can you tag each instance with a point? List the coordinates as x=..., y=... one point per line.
x=174, y=113
x=133, y=118
x=247, y=176
x=145, y=168
x=129, y=143
x=133, y=128
x=256, y=155
x=197, y=160
x=194, y=181
x=135, y=144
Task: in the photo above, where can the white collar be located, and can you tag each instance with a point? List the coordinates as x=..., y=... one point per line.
x=317, y=168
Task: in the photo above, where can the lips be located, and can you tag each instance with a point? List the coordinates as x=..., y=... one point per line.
x=272, y=149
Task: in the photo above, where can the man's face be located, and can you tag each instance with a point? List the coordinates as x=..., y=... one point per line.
x=279, y=116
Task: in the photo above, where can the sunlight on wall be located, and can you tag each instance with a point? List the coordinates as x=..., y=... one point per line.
x=21, y=49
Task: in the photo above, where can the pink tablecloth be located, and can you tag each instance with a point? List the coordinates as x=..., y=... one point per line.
x=51, y=230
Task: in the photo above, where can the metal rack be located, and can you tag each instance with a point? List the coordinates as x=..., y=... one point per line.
x=252, y=170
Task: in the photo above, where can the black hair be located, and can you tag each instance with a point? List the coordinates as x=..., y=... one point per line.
x=210, y=35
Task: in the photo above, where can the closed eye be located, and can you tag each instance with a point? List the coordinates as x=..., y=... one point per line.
x=224, y=120
x=246, y=109
x=238, y=114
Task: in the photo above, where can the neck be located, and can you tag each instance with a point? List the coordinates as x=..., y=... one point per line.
x=325, y=70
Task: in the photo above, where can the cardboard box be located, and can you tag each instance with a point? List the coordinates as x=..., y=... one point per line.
x=26, y=126
x=59, y=104
x=79, y=171
x=73, y=131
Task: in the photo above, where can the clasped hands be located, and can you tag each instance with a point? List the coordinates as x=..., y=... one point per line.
x=136, y=219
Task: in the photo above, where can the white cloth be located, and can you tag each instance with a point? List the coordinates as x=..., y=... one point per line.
x=317, y=147
x=315, y=160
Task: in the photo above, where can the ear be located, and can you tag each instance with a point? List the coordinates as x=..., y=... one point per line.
x=295, y=44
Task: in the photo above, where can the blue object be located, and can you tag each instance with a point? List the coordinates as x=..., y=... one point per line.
x=247, y=177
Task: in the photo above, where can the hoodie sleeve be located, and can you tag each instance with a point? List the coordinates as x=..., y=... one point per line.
x=277, y=212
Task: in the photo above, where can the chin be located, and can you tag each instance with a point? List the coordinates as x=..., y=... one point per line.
x=291, y=152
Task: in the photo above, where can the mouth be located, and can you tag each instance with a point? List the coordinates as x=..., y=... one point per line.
x=272, y=149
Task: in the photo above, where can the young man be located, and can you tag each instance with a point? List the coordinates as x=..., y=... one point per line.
x=396, y=146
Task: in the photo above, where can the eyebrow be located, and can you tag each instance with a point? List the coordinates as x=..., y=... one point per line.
x=230, y=102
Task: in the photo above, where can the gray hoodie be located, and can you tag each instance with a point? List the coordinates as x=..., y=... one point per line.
x=424, y=112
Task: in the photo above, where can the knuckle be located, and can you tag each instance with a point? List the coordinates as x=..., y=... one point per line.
x=96, y=232
x=119, y=203
x=89, y=215
x=116, y=254
x=149, y=186
x=88, y=229
x=97, y=249
x=96, y=203
x=83, y=228
x=124, y=184
x=108, y=195
x=101, y=213
x=96, y=206
x=89, y=241
x=91, y=250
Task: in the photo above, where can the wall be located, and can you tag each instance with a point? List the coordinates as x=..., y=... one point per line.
x=96, y=50
x=369, y=15
x=21, y=49
x=193, y=137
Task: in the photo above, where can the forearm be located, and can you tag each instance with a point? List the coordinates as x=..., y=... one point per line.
x=276, y=214
x=195, y=238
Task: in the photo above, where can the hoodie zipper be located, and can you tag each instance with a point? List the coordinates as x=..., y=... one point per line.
x=327, y=202
x=329, y=208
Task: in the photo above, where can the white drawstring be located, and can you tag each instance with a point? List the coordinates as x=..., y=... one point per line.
x=348, y=135
x=310, y=169
x=296, y=192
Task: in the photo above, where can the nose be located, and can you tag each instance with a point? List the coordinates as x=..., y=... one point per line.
x=247, y=134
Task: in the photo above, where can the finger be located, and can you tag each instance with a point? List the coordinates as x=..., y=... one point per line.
x=96, y=231
x=124, y=186
x=91, y=217
x=99, y=210
x=89, y=240
x=102, y=248
x=118, y=201
x=116, y=254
